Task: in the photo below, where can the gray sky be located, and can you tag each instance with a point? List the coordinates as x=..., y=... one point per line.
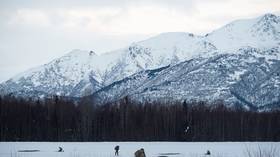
x=33, y=32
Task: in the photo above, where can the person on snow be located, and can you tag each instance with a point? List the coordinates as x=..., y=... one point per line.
x=140, y=153
x=117, y=148
x=208, y=152
x=60, y=149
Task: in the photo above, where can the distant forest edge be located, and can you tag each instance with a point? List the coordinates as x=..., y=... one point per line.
x=60, y=119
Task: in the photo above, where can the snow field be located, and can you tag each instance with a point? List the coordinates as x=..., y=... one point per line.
x=127, y=149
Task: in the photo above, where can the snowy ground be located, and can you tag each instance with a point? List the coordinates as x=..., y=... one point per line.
x=127, y=149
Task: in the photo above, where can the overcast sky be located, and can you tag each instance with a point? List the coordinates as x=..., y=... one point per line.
x=33, y=32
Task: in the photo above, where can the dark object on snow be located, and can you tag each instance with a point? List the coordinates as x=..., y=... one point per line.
x=91, y=53
x=140, y=153
x=29, y=151
x=208, y=152
x=60, y=149
x=117, y=148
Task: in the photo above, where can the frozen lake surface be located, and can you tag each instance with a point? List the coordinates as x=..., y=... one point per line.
x=127, y=149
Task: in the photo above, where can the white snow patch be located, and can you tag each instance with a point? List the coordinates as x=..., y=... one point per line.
x=236, y=75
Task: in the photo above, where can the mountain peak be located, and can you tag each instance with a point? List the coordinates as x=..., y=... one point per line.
x=270, y=17
x=268, y=26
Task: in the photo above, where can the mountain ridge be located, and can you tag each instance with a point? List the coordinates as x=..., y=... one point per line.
x=81, y=73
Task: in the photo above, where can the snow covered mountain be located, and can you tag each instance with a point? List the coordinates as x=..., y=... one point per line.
x=248, y=77
x=80, y=73
x=262, y=32
x=220, y=65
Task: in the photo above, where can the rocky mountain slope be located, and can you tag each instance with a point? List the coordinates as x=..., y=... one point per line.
x=237, y=63
x=246, y=78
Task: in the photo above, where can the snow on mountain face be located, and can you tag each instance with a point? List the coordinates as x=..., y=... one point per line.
x=159, y=51
x=262, y=32
x=80, y=73
x=246, y=78
x=60, y=76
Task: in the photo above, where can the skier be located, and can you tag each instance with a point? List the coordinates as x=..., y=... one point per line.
x=208, y=152
x=60, y=149
x=140, y=153
x=117, y=148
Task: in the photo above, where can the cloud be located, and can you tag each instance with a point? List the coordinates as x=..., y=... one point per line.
x=93, y=3
x=105, y=20
x=30, y=17
x=135, y=17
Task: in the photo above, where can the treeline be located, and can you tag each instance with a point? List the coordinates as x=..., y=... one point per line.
x=59, y=119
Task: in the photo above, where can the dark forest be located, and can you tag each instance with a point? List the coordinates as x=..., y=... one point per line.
x=60, y=119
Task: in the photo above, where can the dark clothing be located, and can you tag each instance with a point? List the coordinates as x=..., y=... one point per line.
x=117, y=153
x=117, y=148
x=208, y=152
x=140, y=153
x=60, y=149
